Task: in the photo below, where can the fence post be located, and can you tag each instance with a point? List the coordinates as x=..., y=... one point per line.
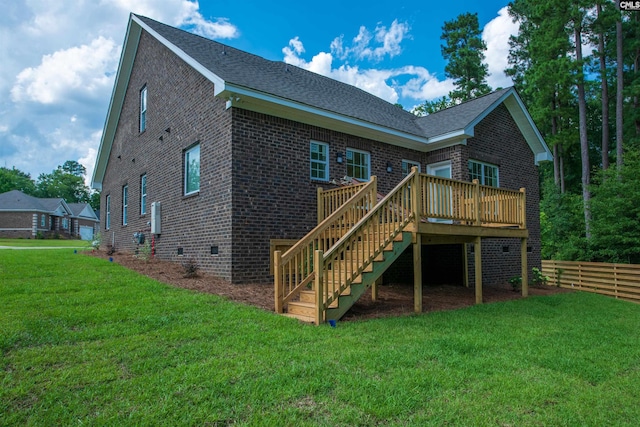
x=277, y=279
x=319, y=285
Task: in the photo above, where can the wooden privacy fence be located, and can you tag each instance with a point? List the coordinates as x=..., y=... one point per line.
x=617, y=280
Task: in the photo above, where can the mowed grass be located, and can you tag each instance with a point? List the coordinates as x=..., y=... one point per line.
x=87, y=342
x=49, y=243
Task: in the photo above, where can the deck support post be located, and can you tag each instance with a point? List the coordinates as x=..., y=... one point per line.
x=277, y=276
x=525, y=268
x=417, y=273
x=465, y=265
x=318, y=285
x=478, y=268
x=374, y=289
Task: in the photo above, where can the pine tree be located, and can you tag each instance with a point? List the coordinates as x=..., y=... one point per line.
x=464, y=50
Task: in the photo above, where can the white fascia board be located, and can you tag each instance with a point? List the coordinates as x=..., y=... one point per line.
x=232, y=92
x=218, y=83
x=455, y=136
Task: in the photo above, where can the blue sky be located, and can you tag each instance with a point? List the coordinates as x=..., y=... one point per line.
x=60, y=57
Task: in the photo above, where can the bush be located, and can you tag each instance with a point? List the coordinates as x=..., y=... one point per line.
x=190, y=267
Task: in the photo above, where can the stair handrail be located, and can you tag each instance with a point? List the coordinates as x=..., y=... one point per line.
x=363, y=243
x=293, y=269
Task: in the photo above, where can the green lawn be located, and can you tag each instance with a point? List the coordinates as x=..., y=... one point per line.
x=86, y=342
x=35, y=243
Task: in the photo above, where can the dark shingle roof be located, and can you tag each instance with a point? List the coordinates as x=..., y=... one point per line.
x=17, y=200
x=459, y=116
x=287, y=81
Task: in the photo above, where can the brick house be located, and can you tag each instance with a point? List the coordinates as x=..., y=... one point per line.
x=232, y=148
x=28, y=217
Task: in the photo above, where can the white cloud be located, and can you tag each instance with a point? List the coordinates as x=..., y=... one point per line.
x=87, y=68
x=390, y=84
x=388, y=41
x=496, y=35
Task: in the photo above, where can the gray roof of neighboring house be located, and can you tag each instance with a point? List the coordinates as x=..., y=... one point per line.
x=287, y=81
x=17, y=200
x=459, y=116
x=77, y=208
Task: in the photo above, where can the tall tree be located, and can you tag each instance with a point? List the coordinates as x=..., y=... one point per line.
x=582, y=117
x=464, y=50
x=63, y=183
x=619, y=91
x=600, y=30
x=15, y=179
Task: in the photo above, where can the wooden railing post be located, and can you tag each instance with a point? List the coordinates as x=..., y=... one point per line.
x=320, y=205
x=476, y=201
x=277, y=279
x=523, y=208
x=319, y=285
x=416, y=193
x=374, y=191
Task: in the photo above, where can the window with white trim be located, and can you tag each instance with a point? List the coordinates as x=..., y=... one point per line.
x=407, y=165
x=43, y=218
x=107, y=221
x=143, y=194
x=192, y=170
x=143, y=109
x=65, y=223
x=319, y=161
x=358, y=164
x=485, y=173
x=125, y=204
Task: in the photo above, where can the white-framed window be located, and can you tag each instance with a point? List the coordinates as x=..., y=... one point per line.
x=125, y=204
x=407, y=165
x=143, y=194
x=485, y=173
x=358, y=164
x=43, y=220
x=143, y=109
x=107, y=221
x=65, y=223
x=192, y=170
x=319, y=161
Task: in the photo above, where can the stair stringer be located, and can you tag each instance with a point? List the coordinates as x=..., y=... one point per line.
x=345, y=302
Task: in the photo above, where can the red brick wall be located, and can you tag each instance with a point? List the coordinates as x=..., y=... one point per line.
x=180, y=99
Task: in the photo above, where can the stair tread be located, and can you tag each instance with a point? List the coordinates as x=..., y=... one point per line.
x=300, y=317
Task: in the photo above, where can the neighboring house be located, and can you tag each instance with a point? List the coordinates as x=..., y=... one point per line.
x=28, y=217
x=85, y=222
x=231, y=148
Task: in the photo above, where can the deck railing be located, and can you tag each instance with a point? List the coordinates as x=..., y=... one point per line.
x=330, y=200
x=471, y=203
x=359, y=247
x=294, y=269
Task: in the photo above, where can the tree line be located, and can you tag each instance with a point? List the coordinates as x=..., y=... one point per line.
x=576, y=66
x=66, y=181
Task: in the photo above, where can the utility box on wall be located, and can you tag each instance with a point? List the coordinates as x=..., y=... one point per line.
x=156, y=214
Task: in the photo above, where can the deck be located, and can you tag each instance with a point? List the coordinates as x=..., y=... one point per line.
x=361, y=233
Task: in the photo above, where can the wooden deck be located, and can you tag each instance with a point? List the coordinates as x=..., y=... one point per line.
x=360, y=234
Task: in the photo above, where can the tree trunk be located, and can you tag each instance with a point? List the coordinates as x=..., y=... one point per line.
x=619, y=89
x=584, y=141
x=605, y=95
x=636, y=65
x=554, y=132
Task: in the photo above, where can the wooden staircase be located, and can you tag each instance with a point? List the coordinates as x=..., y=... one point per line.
x=325, y=273
x=305, y=308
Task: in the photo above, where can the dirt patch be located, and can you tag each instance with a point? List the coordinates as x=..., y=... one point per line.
x=393, y=300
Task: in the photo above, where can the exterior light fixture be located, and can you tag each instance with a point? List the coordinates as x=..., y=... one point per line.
x=389, y=167
x=339, y=157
